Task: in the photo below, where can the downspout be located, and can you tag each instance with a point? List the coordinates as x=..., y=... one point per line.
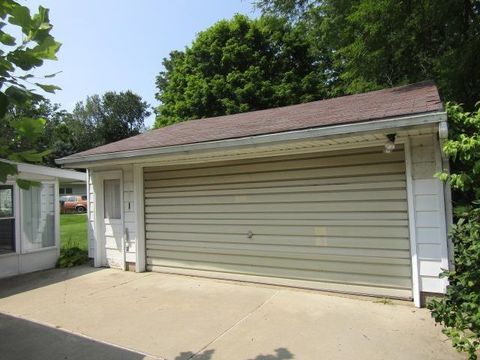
x=443, y=137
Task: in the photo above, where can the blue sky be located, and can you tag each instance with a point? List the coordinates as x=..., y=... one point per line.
x=119, y=45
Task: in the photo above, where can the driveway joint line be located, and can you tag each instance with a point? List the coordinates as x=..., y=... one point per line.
x=250, y=313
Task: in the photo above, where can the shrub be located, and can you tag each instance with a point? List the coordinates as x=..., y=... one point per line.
x=70, y=257
x=459, y=310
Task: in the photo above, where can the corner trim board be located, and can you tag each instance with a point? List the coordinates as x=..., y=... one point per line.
x=412, y=225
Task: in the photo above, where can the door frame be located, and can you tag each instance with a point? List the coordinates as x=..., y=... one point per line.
x=100, y=258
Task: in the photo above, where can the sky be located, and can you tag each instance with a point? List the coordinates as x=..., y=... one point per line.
x=119, y=45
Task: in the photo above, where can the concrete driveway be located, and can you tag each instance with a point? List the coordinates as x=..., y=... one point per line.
x=87, y=313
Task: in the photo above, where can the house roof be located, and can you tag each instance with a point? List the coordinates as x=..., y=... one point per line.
x=419, y=98
x=30, y=171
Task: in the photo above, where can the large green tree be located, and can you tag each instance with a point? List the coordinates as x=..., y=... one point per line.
x=104, y=119
x=52, y=139
x=20, y=54
x=382, y=43
x=240, y=65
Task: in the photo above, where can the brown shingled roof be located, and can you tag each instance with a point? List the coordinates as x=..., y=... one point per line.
x=394, y=102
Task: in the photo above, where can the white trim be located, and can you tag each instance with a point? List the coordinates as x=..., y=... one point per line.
x=412, y=225
x=444, y=166
x=368, y=126
x=138, y=190
x=48, y=248
x=47, y=171
x=443, y=218
x=56, y=211
x=89, y=211
x=18, y=220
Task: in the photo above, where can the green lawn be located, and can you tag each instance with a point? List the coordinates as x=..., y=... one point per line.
x=73, y=231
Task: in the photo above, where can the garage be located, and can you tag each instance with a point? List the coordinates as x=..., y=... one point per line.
x=337, y=195
x=333, y=220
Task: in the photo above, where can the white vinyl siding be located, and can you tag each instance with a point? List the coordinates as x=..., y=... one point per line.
x=429, y=214
x=334, y=218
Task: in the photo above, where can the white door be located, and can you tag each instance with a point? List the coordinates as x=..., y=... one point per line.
x=111, y=217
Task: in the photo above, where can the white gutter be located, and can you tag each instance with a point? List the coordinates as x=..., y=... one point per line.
x=256, y=140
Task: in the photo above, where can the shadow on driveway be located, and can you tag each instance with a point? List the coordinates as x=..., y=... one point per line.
x=22, y=339
x=280, y=354
x=25, y=282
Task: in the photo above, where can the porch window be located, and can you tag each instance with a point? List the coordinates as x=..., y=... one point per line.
x=7, y=220
x=112, y=206
x=38, y=217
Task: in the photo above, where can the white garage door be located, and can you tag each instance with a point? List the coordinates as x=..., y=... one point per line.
x=332, y=220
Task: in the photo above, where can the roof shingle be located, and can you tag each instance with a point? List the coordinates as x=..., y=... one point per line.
x=375, y=105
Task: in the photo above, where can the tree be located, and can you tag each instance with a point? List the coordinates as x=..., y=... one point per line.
x=240, y=65
x=104, y=119
x=53, y=138
x=377, y=44
x=16, y=60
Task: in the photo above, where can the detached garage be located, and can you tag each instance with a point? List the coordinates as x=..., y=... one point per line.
x=337, y=195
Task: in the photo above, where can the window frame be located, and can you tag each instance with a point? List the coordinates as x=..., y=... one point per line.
x=56, y=219
x=12, y=217
x=18, y=219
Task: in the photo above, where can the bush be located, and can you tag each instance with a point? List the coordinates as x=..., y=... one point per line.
x=70, y=257
x=459, y=310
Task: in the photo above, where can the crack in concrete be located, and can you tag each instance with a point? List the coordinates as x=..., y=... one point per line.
x=236, y=324
x=65, y=288
x=118, y=285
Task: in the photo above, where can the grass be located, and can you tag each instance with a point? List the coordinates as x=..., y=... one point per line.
x=73, y=231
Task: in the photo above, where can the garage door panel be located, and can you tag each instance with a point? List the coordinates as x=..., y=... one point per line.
x=359, y=206
x=319, y=241
x=291, y=216
x=294, y=164
x=351, y=180
x=277, y=222
x=399, y=270
x=342, y=231
x=191, y=192
x=273, y=251
x=284, y=198
x=348, y=278
x=286, y=174
x=400, y=256
x=332, y=218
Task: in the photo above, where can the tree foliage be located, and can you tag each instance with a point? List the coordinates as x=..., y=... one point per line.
x=18, y=57
x=240, y=65
x=51, y=140
x=459, y=311
x=104, y=119
x=383, y=43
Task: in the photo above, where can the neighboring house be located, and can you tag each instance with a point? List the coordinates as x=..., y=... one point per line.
x=29, y=219
x=73, y=188
x=338, y=194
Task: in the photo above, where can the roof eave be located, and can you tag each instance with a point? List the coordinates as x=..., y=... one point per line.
x=310, y=133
